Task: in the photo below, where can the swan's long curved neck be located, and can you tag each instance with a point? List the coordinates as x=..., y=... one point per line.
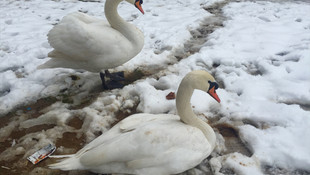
x=110, y=10
x=117, y=22
x=187, y=115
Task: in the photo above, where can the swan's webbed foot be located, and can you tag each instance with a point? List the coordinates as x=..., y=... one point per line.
x=115, y=80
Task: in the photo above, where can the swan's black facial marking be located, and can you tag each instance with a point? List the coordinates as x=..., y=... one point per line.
x=213, y=84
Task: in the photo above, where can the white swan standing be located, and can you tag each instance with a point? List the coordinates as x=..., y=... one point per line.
x=84, y=42
x=152, y=144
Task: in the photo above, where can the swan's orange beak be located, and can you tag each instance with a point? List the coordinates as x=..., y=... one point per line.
x=213, y=94
x=138, y=5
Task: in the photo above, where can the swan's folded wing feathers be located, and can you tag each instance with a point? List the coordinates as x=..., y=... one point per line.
x=146, y=163
x=68, y=37
x=109, y=151
x=125, y=144
x=151, y=144
x=168, y=158
x=137, y=120
x=86, y=18
x=81, y=39
x=158, y=160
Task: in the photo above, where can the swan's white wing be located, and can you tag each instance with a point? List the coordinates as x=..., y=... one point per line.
x=174, y=159
x=82, y=37
x=126, y=125
x=153, y=142
x=143, y=142
x=135, y=121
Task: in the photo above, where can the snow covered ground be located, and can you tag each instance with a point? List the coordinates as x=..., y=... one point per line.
x=260, y=57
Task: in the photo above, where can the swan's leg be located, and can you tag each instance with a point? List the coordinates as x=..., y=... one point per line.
x=111, y=83
x=104, y=85
x=117, y=76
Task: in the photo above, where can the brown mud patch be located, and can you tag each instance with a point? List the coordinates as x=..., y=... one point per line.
x=233, y=143
x=69, y=143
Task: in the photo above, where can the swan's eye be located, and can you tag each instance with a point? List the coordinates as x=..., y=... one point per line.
x=141, y=2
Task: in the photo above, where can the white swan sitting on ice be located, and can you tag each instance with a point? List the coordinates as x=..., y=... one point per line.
x=84, y=42
x=149, y=144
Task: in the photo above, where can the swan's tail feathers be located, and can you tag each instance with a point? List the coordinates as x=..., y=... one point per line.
x=70, y=162
x=61, y=156
x=58, y=60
